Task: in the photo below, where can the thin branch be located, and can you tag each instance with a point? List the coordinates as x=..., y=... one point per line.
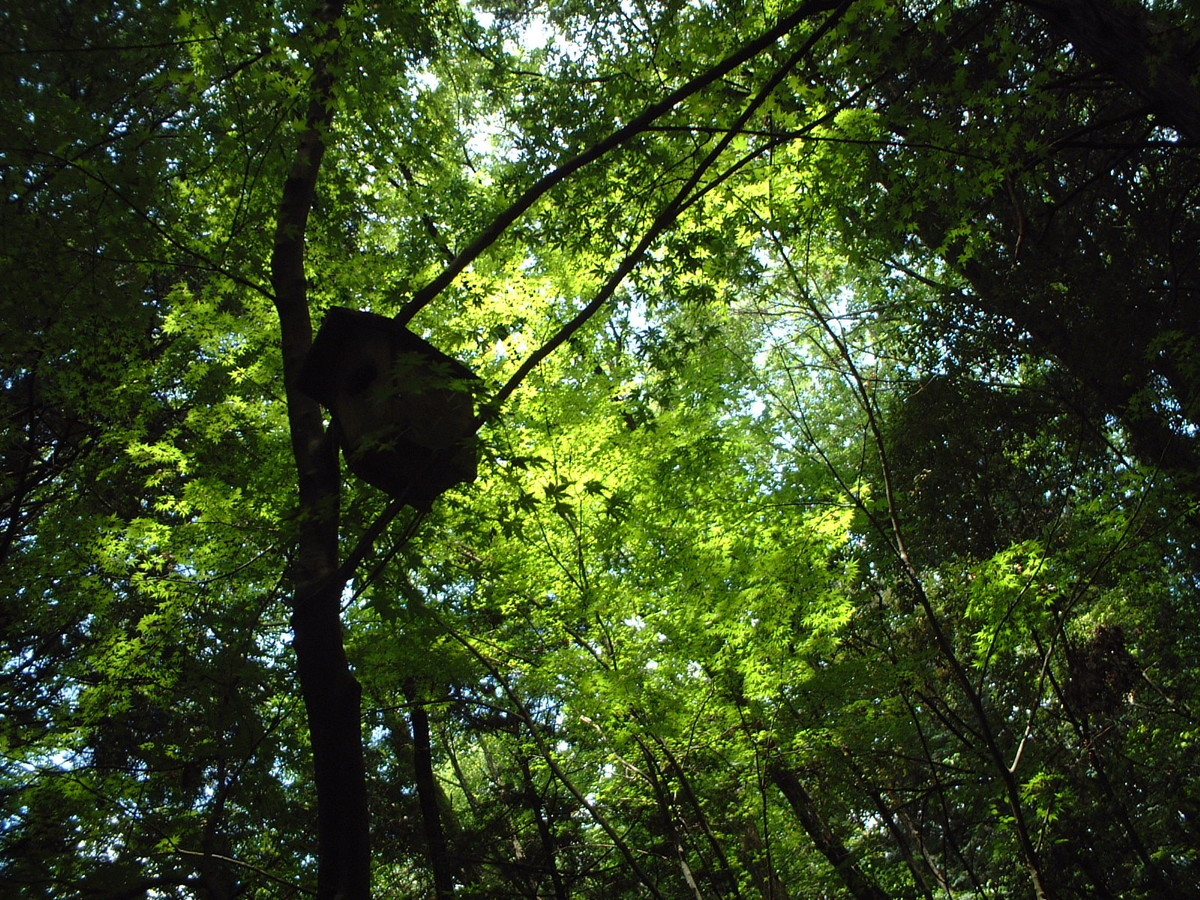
x=108, y=48
x=552, y=760
x=248, y=866
x=205, y=264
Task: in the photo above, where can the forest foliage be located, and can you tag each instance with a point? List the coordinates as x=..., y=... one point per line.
x=836, y=524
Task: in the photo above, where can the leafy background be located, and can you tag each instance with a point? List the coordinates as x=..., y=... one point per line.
x=845, y=547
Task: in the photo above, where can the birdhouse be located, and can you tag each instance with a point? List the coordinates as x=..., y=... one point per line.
x=402, y=409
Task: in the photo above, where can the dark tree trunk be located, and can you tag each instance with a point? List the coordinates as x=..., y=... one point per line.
x=332, y=696
x=429, y=795
x=857, y=882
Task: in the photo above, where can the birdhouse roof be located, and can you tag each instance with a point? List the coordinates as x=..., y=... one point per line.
x=345, y=334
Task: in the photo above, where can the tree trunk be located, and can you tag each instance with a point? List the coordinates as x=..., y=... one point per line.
x=857, y=882
x=332, y=696
x=429, y=795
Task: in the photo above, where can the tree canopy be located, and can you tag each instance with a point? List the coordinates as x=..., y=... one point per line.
x=835, y=379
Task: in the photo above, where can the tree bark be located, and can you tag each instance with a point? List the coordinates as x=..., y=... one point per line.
x=857, y=882
x=429, y=795
x=332, y=696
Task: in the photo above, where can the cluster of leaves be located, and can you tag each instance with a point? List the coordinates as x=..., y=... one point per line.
x=849, y=548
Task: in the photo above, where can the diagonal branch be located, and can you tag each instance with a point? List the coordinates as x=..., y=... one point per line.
x=684, y=197
x=618, y=138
